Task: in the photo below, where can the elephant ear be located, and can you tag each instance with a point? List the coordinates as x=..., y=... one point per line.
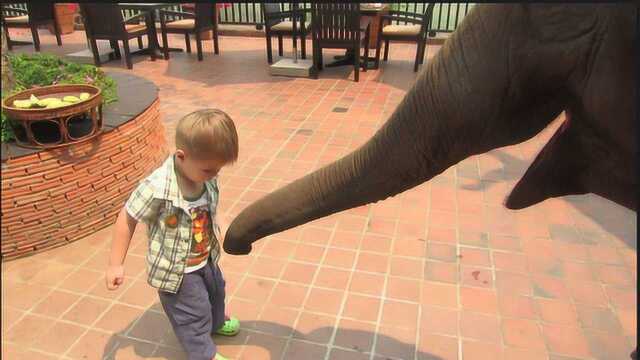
x=556, y=171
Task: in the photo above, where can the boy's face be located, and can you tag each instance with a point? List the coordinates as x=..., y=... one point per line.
x=198, y=169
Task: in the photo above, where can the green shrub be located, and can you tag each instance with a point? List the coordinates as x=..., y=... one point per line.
x=42, y=69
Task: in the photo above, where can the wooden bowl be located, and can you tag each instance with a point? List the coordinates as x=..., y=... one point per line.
x=26, y=122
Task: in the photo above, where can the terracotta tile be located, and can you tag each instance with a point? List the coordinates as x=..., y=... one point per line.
x=10, y=317
x=396, y=342
x=614, y=275
x=266, y=267
x=442, y=235
x=298, y=350
x=443, y=347
x=24, y=296
x=517, y=306
x=629, y=321
x=439, y=294
x=510, y=261
x=599, y=318
x=81, y=280
x=579, y=271
x=624, y=299
x=587, y=292
x=479, y=300
x=474, y=257
x=605, y=255
x=409, y=247
x=356, y=335
x=568, y=341
x=324, y=301
x=482, y=350
x=118, y=318
x=480, y=327
x=276, y=320
x=279, y=249
x=510, y=283
x=605, y=345
x=441, y=272
x=86, y=311
x=381, y=226
x=59, y=338
x=27, y=330
x=399, y=314
x=367, y=283
x=290, y=295
x=372, y=262
x=55, y=304
x=361, y=307
x=139, y=293
x=521, y=333
x=560, y=312
x=338, y=354
x=346, y=240
x=300, y=273
x=263, y=346
x=476, y=276
x=406, y=267
x=522, y=354
x=93, y=345
x=403, y=289
x=314, y=327
x=474, y=238
x=309, y=253
x=549, y=287
x=437, y=320
x=332, y=278
x=340, y=258
x=255, y=289
x=376, y=243
x=315, y=235
x=441, y=252
x=505, y=242
x=244, y=310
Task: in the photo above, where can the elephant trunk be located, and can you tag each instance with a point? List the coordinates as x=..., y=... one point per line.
x=458, y=107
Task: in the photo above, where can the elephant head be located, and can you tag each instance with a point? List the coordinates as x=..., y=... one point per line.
x=505, y=74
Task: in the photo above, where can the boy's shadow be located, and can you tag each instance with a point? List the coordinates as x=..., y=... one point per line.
x=153, y=327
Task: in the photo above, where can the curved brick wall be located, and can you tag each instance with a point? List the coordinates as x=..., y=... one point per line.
x=53, y=197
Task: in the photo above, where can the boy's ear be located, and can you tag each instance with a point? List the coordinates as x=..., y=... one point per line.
x=180, y=154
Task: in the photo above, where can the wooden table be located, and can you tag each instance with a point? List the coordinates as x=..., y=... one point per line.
x=151, y=9
x=373, y=12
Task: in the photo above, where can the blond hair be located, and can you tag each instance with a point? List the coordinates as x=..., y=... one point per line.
x=208, y=133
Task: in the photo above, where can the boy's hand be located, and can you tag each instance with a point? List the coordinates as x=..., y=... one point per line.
x=115, y=276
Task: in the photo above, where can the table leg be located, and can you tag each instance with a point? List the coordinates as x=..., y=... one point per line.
x=348, y=58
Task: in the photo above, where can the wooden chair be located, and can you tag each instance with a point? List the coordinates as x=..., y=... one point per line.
x=414, y=30
x=339, y=26
x=203, y=19
x=277, y=22
x=104, y=21
x=37, y=14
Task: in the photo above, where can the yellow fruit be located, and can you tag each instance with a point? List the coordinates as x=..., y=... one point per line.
x=22, y=104
x=47, y=101
x=84, y=96
x=70, y=99
x=33, y=99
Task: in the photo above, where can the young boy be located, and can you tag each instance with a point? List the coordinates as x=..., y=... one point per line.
x=178, y=203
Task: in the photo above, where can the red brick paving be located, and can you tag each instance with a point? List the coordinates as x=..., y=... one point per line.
x=441, y=271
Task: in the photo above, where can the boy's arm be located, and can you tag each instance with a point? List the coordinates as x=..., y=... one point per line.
x=124, y=228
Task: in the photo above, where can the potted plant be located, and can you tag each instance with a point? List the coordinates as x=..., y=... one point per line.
x=65, y=17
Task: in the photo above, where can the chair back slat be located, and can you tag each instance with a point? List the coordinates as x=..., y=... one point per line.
x=102, y=19
x=205, y=13
x=335, y=21
x=426, y=18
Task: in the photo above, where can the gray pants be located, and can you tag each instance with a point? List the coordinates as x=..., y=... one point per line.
x=197, y=310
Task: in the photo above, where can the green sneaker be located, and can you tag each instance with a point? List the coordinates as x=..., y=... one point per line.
x=220, y=357
x=231, y=327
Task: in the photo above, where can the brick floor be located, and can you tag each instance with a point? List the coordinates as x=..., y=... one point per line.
x=442, y=271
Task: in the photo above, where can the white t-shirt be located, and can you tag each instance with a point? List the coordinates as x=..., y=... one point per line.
x=201, y=233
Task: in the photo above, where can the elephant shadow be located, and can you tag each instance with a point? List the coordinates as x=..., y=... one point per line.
x=136, y=336
x=605, y=213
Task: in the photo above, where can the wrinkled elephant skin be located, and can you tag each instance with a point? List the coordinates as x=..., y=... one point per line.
x=504, y=75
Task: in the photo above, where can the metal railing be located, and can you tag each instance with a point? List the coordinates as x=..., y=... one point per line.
x=446, y=16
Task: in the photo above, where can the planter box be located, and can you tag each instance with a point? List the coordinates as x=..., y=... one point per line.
x=65, y=17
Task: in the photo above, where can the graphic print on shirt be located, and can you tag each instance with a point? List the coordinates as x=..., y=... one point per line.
x=201, y=235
